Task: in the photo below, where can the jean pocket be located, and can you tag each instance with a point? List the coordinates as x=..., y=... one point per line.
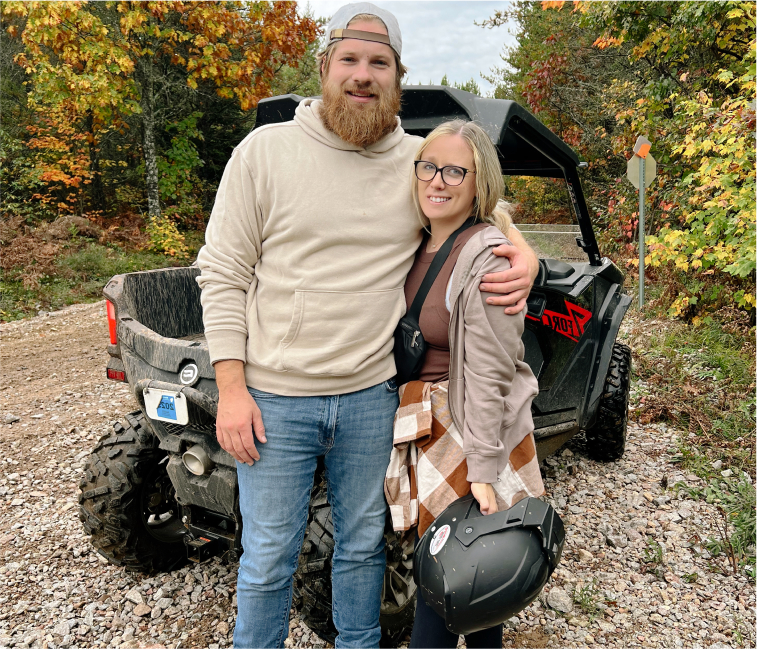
x=259, y=395
x=391, y=385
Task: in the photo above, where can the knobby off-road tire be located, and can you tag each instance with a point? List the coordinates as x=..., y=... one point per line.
x=312, y=588
x=606, y=440
x=127, y=502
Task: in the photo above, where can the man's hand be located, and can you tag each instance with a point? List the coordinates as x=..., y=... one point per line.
x=516, y=282
x=238, y=414
x=484, y=494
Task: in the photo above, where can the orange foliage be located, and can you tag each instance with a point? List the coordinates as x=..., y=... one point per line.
x=84, y=77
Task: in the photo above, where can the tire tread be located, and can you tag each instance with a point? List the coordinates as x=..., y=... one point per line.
x=606, y=440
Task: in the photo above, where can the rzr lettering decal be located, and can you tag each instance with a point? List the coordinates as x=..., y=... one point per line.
x=571, y=325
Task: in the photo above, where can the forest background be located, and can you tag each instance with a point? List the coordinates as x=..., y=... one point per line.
x=118, y=119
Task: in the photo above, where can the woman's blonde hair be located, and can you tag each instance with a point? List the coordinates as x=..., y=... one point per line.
x=488, y=205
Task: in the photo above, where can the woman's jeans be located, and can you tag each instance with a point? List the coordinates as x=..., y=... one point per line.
x=353, y=432
x=429, y=631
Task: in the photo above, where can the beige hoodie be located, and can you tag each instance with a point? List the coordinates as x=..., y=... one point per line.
x=306, y=254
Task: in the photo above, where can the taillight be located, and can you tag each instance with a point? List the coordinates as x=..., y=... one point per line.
x=116, y=375
x=111, y=321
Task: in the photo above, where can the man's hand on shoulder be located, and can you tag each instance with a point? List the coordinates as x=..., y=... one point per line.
x=513, y=284
x=238, y=414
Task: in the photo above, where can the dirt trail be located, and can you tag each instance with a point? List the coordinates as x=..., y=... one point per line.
x=629, y=576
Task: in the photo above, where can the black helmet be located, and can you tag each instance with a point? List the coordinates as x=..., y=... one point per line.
x=477, y=571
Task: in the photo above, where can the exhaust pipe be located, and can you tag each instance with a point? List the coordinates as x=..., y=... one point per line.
x=196, y=460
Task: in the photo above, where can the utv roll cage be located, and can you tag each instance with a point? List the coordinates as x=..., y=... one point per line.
x=525, y=146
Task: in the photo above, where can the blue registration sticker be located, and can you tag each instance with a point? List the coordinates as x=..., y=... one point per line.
x=167, y=407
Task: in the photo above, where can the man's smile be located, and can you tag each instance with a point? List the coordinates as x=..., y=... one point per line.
x=362, y=96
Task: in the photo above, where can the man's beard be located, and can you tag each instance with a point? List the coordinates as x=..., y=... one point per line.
x=359, y=124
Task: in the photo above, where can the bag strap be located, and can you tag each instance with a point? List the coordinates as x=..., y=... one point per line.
x=433, y=270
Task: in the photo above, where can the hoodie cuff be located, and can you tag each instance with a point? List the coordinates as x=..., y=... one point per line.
x=481, y=468
x=226, y=344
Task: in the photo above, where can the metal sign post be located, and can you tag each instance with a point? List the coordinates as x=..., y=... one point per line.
x=642, y=169
x=642, y=249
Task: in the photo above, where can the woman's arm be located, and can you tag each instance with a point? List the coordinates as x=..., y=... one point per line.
x=494, y=391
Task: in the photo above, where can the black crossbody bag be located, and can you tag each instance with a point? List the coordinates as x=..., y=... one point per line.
x=409, y=345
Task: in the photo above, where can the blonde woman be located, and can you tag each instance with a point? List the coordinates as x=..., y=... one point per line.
x=465, y=426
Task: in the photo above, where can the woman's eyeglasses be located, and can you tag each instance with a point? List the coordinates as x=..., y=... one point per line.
x=451, y=175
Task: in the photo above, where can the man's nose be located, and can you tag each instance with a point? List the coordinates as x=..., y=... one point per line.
x=362, y=73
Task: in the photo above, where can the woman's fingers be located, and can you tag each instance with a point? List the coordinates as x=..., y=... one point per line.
x=485, y=496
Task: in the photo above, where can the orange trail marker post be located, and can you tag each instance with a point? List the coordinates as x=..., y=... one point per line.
x=641, y=171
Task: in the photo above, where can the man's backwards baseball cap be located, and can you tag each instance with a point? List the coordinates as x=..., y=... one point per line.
x=337, y=29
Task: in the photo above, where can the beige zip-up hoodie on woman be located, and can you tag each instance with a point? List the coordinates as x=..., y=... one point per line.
x=306, y=254
x=490, y=386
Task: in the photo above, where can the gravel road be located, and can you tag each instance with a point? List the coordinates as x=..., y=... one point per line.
x=629, y=576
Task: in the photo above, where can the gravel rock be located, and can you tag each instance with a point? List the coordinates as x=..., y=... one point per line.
x=140, y=610
x=617, y=540
x=559, y=600
x=164, y=602
x=9, y=419
x=134, y=596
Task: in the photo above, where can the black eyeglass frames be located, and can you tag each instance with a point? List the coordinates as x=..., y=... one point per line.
x=451, y=174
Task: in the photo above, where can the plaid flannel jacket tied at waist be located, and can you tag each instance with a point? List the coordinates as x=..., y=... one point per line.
x=427, y=468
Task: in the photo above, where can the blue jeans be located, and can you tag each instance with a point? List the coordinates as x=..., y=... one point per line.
x=353, y=432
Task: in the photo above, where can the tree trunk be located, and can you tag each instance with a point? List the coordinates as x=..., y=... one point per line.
x=148, y=143
x=98, y=191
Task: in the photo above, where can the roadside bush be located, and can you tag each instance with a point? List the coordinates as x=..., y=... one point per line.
x=166, y=238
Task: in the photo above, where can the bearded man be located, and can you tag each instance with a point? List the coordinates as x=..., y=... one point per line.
x=311, y=237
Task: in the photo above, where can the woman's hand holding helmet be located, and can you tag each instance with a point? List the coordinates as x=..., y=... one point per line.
x=484, y=494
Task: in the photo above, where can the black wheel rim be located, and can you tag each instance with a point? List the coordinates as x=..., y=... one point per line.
x=160, y=511
x=399, y=587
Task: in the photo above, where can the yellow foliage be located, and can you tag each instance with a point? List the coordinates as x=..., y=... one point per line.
x=166, y=238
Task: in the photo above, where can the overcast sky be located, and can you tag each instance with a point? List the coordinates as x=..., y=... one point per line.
x=441, y=38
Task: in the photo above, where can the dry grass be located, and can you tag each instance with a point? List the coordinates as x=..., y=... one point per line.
x=700, y=379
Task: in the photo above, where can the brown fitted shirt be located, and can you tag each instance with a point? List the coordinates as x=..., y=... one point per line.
x=434, y=320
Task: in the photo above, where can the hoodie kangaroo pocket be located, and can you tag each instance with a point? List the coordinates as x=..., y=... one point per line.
x=340, y=333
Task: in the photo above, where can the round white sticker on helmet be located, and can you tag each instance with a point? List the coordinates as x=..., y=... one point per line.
x=439, y=539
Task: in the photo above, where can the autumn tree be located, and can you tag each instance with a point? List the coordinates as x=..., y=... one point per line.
x=600, y=74
x=557, y=73
x=101, y=64
x=695, y=99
